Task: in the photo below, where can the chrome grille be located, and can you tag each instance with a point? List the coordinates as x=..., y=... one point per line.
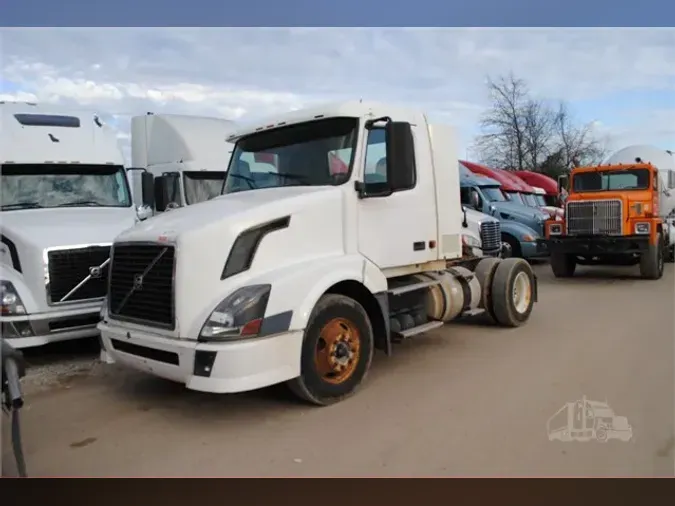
x=490, y=235
x=141, y=288
x=594, y=217
x=77, y=274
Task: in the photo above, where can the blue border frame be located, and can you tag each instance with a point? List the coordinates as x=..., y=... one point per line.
x=376, y=13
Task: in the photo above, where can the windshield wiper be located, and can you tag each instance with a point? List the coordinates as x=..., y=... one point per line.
x=296, y=177
x=251, y=182
x=21, y=205
x=82, y=203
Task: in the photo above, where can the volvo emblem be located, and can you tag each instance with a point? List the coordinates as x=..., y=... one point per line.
x=138, y=281
x=95, y=272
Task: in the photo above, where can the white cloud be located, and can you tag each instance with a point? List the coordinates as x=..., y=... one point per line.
x=238, y=73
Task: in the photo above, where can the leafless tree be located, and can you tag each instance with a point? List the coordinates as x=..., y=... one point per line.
x=576, y=143
x=503, y=142
x=520, y=132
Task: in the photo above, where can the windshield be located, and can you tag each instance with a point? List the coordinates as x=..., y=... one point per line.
x=202, y=185
x=529, y=199
x=629, y=179
x=315, y=153
x=56, y=185
x=515, y=197
x=493, y=193
x=541, y=202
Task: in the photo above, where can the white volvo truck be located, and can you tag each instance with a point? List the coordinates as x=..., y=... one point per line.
x=186, y=155
x=64, y=198
x=301, y=280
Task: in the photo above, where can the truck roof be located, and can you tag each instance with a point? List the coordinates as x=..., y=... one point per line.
x=352, y=109
x=36, y=134
x=613, y=166
x=198, y=141
x=508, y=182
x=538, y=179
x=468, y=178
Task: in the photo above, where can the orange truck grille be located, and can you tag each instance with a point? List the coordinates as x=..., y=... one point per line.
x=594, y=217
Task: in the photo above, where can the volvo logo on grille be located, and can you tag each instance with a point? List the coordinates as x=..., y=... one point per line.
x=95, y=272
x=138, y=281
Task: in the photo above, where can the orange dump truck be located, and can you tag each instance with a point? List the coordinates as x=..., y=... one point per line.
x=613, y=216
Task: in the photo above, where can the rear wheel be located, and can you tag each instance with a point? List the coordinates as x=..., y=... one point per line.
x=336, y=353
x=652, y=260
x=484, y=273
x=563, y=265
x=512, y=292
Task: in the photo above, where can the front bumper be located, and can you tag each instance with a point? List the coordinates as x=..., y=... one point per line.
x=231, y=367
x=598, y=245
x=533, y=250
x=27, y=331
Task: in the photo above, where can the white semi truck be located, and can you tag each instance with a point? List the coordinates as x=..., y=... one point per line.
x=186, y=155
x=299, y=280
x=65, y=197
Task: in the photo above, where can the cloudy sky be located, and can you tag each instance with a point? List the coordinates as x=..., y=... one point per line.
x=622, y=80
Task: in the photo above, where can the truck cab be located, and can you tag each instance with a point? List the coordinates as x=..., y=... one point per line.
x=299, y=277
x=616, y=213
x=186, y=157
x=65, y=197
x=543, y=182
x=517, y=223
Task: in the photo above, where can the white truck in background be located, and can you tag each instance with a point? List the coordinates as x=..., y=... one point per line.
x=187, y=157
x=64, y=198
x=301, y=279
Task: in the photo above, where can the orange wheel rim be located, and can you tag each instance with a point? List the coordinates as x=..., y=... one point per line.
x=337, y=351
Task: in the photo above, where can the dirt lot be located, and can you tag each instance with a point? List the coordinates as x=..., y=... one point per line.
x=465, y=400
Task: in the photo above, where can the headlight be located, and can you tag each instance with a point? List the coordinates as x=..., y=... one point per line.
x=240, y=314
x=555, y=229
x=471, y=241
x=10, y=302
x=642, y=228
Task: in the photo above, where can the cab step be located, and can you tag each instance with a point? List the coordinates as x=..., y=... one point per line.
x=420, y=329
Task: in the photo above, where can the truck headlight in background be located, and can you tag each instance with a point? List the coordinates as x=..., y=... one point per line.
x=471, y=241
x=642, y=228
x=555, y=229
x=239, y=315
x=10, y=302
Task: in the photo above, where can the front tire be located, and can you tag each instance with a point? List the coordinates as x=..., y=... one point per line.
x=652, y=260
x=337, y=351
x=512, y=292
x=563, y=265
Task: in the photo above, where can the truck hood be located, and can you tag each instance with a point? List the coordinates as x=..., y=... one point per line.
x=240, y=210
x=43, y=228
x=520, y=211
x=477, y=217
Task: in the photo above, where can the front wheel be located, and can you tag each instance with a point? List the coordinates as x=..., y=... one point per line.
x=652, y=260
x=563, y=265
x=336, y=352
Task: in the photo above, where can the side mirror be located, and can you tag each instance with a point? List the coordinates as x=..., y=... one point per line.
x=475, y=200
x=144, y=212
x=562, y=182
x=400, y=155
x=147, y=189
x=165, y=192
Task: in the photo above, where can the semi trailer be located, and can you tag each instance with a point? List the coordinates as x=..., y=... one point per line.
x=300, y=280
